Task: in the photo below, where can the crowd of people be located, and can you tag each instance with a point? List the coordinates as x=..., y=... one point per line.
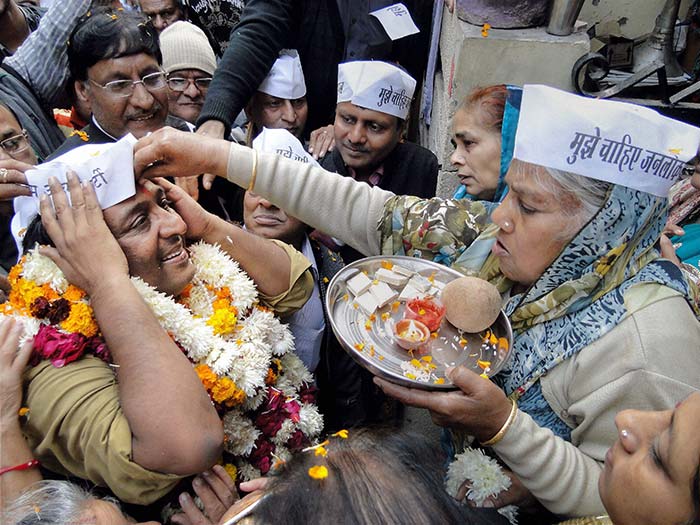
x=181, y=180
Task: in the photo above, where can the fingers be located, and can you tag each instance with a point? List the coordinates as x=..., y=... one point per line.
x=189, y=184
x=77, y=198
x=254, y=484
x=13, y=181
x=464, y=379
x=208, y=180
x=215, y=493
x=23, y=356
x=673, y=229
x=227, y=482
x=190, y=515
x=668, y=251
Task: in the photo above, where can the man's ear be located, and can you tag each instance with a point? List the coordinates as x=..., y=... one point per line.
x=82, y=90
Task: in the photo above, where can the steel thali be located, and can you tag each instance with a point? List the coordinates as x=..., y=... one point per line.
x=370, y=339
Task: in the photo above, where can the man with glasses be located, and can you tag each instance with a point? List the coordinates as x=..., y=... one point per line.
x=189, y=61
x=115, y=63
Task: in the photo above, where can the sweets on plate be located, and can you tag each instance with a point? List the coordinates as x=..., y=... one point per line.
x=382, y=293
x=358, y=284
x=367, y=303
x=390, y=277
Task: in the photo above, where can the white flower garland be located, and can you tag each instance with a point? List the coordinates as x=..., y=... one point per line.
x=486, y=479
x=244, y=355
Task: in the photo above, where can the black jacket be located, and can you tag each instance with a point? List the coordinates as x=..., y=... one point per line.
x=408, y=170
x=315, y=29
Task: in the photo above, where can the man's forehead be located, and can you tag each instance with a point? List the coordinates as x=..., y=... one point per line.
x=124, y=66
x=8, y=122
x=364, y=113
x=156, y=6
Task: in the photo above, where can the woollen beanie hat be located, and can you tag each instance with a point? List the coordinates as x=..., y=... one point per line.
x=185, y=46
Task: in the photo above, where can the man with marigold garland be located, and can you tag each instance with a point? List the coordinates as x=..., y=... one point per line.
x=113, y=394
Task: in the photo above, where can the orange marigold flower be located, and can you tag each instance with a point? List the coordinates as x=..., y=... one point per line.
x=224, y=293
x=206, y=376
x=26, y=292
x=321, y=451
x=318, y=472
x=271, y=377
x=186, y=292
x=223, y=390
x=73, y=293
x=23, y=412
x=15, y=272
x=341, y=434
x=236, y=399
x=220, y=304
x=81, y=320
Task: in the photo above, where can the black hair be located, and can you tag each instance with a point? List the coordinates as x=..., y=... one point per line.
x=106, y=33
x=374, y=476
x=35, y=234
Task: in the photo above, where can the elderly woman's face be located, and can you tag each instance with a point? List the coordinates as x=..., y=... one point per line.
x=531, y=222
x=651, y=472
x=477, y=154
x=151, y=234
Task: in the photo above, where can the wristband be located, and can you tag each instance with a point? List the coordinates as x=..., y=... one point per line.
x=499, y=435
x=24, y=466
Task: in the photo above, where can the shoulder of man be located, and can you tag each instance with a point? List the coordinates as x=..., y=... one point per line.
x=333, y=161
x=90, y=134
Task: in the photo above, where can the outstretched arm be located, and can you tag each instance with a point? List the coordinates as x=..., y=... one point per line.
x=339, y=206
x=174, y=426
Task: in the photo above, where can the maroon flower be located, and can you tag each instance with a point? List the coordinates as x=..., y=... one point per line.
x=99, y=348
x=297, y=441
x=40, y=307
x=270, y=422
x=59, y=310
x=308, y=394
x=58, y=347
x=261, y=457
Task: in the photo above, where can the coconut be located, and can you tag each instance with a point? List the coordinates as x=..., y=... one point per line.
x=471, y=304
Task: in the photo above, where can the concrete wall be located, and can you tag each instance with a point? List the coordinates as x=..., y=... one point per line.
x=636, y=17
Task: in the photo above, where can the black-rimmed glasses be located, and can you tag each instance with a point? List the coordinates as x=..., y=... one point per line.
x=125, y=88
x=15, y=144
x=181, y=84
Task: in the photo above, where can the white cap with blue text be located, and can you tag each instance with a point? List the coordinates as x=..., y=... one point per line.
x=376, y=85
x=286, y=78
x=108, y=167
x=612, y=141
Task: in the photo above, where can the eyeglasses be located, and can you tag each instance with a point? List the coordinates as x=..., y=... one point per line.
x=16, y=144
x=181, y=84
x=125, y=88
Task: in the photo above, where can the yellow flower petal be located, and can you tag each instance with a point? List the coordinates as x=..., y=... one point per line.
x=318, y=472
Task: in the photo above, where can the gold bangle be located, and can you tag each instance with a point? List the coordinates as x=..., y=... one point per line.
x=254, y=173
x=501, y=433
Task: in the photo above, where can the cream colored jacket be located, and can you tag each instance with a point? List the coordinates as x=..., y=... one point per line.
x=650, y=361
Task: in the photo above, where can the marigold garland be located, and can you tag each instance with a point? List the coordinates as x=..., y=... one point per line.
x=241, y=353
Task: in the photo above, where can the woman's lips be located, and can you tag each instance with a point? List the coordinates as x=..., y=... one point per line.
x=268, y=220
x=498, y=249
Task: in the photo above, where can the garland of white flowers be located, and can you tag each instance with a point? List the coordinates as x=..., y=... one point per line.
x=486, y=479
x=244, y=355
